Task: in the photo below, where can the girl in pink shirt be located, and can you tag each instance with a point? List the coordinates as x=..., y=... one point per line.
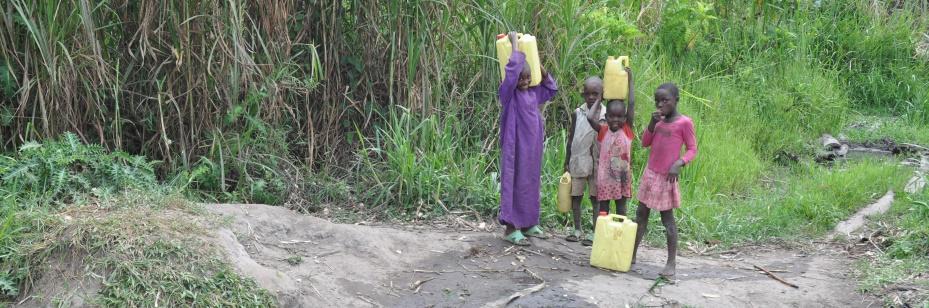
x=658, y=188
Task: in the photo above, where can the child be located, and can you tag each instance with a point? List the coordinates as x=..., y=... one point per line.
x=615, y=138
x=658, y=189
x=581, y=154
x=521, y=136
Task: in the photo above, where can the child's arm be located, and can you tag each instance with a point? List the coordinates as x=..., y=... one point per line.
x=567, y=156
x=548, y=88
x=593, y=115
x=649, y=132
x=690, y=141
x=513, y=69
x=630, y=107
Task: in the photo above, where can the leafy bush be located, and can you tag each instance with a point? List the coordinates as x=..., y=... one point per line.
x=684, y=24
x=60, y=171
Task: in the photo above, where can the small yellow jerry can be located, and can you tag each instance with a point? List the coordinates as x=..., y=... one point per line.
x=529, y=46
x=614, y=240
x=564, y=193
x=615, y=78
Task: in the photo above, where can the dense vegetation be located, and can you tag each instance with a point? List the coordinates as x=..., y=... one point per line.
x=390, y=107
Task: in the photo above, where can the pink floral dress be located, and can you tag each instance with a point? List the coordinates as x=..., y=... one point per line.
x=614, y=173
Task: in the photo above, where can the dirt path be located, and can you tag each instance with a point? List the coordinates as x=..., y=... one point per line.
x=311, y=262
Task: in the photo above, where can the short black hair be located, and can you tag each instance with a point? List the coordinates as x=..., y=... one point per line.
x=671, y=88
x=593, y=80
x=613, y=102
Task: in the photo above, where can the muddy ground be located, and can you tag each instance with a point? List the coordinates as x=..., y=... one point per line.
x=311, y=262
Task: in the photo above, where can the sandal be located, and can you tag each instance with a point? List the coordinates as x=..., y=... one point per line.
x=536, y=232
x=574, y=237
x=589, y=241
x=517, y=238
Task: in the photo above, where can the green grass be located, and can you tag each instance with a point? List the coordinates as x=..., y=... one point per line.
x=803, y=201
x=864, y=128
x=905, y=261
x=145, y=244
x=136, y=246
x=406, y=127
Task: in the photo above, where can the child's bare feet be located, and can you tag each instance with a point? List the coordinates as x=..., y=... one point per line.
x=668, y=270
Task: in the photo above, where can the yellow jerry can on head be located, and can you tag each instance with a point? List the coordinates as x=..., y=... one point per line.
x=529, y=46
x=615, y=78
x=614, y=240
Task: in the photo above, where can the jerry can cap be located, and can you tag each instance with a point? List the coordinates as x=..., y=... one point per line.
x=501, y=35
x=603, y=213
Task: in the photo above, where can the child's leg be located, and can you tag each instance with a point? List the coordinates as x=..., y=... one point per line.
x=667, y=219
x=641, y=218
x=621, y=207
x=509, y=229
x=576, y=213
x=599, y=206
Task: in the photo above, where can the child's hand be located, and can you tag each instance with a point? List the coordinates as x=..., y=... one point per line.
x=675, y=171
x=656, y=117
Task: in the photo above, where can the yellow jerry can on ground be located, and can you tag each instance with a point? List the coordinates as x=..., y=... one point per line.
x=564, y=193
x=615, y=78
x=529, y=46
x=614, y=240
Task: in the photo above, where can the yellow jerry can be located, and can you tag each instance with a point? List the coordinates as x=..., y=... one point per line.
x=564, y=193
x=529, y=46
x=614, y=240
x=615, y=78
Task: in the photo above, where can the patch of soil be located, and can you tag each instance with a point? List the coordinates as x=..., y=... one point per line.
x=64, y=282
x=310, y=262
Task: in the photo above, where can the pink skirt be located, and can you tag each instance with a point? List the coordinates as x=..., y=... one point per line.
x=657, y=193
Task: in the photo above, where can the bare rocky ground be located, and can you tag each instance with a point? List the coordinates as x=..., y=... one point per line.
x=311, y=262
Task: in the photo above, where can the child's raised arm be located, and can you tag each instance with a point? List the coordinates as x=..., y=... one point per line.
x=593, y=115
x=548, y=88
x=630, y=107
x=512, y=71
x=567, y=156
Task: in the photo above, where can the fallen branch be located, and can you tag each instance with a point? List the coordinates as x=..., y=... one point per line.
x=465, y=271
x=506, y=301
x=419, y=284
x=537, y=277
x=532, y=252
x=775, y=277
x=328, y=253
x=368, y=300
x=298, y=242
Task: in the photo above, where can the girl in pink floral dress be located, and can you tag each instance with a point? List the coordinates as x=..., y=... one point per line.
x=615, y=157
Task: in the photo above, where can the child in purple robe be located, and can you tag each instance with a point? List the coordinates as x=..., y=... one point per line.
x=521, y=135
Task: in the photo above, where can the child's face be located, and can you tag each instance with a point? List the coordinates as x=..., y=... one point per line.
x=665, y=103
x=524, y=78
x=592, y=93
x=616, y=117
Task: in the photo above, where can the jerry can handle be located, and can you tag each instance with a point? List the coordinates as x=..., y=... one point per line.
x=620, y=218
x=624, y=60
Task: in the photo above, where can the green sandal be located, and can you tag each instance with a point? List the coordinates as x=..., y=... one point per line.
x=517, y=238
x=536, y=232
x=589, y=241
x=574, y=236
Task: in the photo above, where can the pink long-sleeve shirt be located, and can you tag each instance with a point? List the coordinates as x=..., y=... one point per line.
x=666, y=142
